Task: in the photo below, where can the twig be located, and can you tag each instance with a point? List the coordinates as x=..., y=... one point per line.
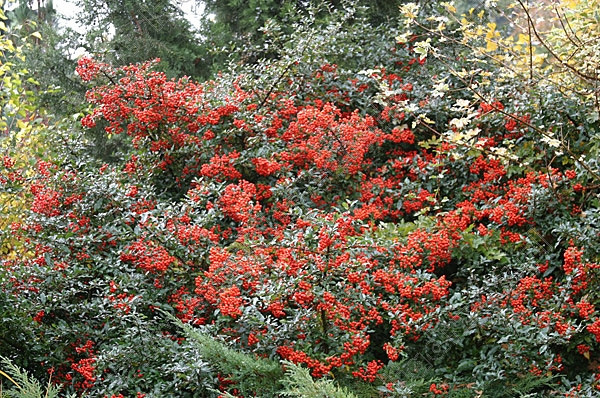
x=109, y=77
x=551, y=51
x=281, y=76
x=560, y=19
x=530, y=50
x=526, y=123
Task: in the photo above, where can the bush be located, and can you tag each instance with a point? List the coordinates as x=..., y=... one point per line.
x=407, y=229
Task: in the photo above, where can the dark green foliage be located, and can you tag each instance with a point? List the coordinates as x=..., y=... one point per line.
x=24, y=15
x=244, y=32
x=15, y=336
x=51, y=62
x=124, y=32
x=264, y=377
x=48, y=57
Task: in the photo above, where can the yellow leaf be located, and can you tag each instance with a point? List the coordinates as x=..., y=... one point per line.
x=410, y=10
x=449, y=6
x=523, y=39
x=587, y=355
x=491, y=46
x=21, y=124
x=37, y=35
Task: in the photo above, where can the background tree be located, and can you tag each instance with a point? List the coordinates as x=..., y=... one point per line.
x=239, y=31
x=49, y=54
x=124, y=32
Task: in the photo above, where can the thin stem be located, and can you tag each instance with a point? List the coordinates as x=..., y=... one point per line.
x=560, y=19
x=11, y=379
x=550, y=50
x=530, y=49
x=564, y=147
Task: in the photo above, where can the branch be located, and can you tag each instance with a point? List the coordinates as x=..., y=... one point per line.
x=281, y=76
x=564, y=28
x=551, y=51
x=564, y=147
x=530, y=50
x=109, y=77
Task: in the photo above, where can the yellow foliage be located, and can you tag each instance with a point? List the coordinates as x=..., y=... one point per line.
x=449, y=6
x=555, y=42
x=20, y=128
x=491, y=46
x=573, y=44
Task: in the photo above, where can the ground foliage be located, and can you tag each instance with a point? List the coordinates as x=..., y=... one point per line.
x=422, y=221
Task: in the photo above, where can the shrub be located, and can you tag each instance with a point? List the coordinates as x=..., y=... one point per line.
x=361, y=224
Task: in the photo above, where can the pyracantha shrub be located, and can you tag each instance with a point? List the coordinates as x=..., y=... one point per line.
x=352, y=222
